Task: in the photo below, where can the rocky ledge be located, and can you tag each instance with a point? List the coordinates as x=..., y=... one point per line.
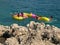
x=34, y=33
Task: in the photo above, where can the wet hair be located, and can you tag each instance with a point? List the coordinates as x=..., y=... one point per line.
x=51, y=16
x=18, y=15
x=22, y=13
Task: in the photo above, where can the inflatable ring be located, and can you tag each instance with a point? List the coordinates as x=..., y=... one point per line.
x=27, y=14
x=45, y=19
x=17, y=18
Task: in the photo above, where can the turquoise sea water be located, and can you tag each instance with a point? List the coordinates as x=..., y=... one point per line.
x=40, y=7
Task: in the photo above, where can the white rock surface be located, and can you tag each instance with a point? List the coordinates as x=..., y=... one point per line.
x=11, y=41
x=34, y=34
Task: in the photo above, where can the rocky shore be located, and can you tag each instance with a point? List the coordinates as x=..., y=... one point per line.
x=34, y=33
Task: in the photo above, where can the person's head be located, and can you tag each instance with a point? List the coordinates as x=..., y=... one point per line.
x=22, y=13
x=18, y=13
x=51, y=16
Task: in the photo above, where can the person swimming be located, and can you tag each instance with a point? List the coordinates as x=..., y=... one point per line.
x=43, y=18
x=51, y=17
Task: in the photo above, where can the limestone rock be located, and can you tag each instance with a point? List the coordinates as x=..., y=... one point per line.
x=34, y=34
x=11, y=41
x=14, y=25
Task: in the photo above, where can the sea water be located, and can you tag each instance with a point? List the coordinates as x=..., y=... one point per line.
x=39, y=7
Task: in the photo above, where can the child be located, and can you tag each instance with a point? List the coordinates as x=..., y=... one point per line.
x=34, y=16
x=51, y=17
x=21, y=14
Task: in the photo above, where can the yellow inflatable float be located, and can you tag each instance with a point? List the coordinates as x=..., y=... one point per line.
x=26, y=15
x=44, y=19
x=20, y=17
x=17, y=18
